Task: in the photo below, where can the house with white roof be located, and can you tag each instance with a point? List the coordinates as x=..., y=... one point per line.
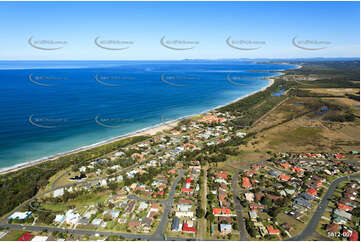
x=103, y=183
x=113, y=213
x=142, y=206
x=184, y=214
x=59, y=218
x=225, y=228
x=96, y=222
x=20, y=215
x=82, y=169
x=184, y=207
x=72, y=218
x=40, y=238
x=58, y=192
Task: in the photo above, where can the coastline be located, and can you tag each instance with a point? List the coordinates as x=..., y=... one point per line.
x=148, y=131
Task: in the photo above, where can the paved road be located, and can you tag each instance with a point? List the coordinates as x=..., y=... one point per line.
x=158, y=234
x=238, y=208
x=73, y=231
x=203, y=223
x=312, y=225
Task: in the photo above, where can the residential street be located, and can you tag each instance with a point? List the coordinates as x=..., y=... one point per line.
x=158, y=235
x=312, y=225
x=238, y=208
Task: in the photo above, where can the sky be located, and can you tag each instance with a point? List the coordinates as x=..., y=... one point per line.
x=190, y=30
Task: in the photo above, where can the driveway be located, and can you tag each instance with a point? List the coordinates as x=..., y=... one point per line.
x=312, y=225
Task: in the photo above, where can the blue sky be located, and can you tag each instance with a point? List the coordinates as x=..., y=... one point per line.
x=272, y=25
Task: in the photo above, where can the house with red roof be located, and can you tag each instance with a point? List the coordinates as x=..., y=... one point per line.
x=222, y=175
x=221, y=211
x=25, y=237
x=272, y=231
x=186, y=189
x=188, y=229
x=344, y=207
x=285, y=165
x=158, y=194
x=284, y=177
x=338, y=156
x=250, y=173
x=246, y=183
x=189, y=180
x=311, y=191
x=318, y=183
x=354, y=236
x=297, y=169
x=311, y=155
x=255, y=206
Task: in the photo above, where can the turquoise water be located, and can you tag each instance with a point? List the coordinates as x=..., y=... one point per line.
x=58, y=106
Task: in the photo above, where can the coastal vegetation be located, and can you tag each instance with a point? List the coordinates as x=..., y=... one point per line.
x=23, y=184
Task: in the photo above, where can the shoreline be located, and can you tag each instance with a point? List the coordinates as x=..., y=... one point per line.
x=148, y=131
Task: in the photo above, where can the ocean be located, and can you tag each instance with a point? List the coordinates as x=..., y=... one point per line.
x=52, y=107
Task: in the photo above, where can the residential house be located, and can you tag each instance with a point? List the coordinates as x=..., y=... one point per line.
x=253, y=215
x=146, y=224
x=343, y=214
x=221, y=212
x=176, y=225
x=71, y=218
x=303, y=202
x=134, y=224
x=96, y=222
x=20, y=215
x=184, y=207
x=225, y=228
x=59, y=218
x=246, y=184
x=58, y=192
x=249, y=196
x=184, y=214
x=344, y=207
x=333, y=228
x=272, y=231
x=262, y=229
x=187, y=227
x=39, y=238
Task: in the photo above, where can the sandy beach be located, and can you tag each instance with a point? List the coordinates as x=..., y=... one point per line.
x=147, y=131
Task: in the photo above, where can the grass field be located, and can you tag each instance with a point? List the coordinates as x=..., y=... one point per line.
x=333, y=91
x=295, y=126
x=12, y=235
x=80, y=201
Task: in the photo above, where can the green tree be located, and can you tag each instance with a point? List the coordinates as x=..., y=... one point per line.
x=200, y=212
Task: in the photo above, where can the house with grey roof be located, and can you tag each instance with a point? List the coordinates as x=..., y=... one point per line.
x=307, y=196
x=302, y=202
x=343, y=214
x=175, y=225
x=225, y=228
